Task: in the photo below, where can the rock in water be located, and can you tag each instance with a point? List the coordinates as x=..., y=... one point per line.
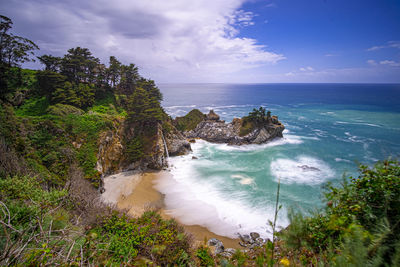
x=212, y=129
x=254, y=235
x=308, y=168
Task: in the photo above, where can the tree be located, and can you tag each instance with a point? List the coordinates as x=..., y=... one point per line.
x=48, y=82
x=14, y=50
x=258, y=115
x=151, y=88
x=51, y=63
x=144, y=108
x=114, y=71
x=79, y=65
x=129, y=78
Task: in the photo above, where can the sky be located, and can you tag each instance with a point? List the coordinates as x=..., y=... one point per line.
x=227, y=41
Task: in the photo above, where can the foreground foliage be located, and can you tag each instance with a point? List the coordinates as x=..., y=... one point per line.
x=360, y=222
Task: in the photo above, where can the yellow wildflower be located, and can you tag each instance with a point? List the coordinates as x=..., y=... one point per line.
x=285, y=262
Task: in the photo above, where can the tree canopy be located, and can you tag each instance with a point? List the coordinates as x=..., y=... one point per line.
x=14, y=50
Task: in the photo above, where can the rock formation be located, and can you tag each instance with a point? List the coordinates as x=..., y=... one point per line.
x=177, y=144
x=110, y=150
x=112, y=158
x=214, y=130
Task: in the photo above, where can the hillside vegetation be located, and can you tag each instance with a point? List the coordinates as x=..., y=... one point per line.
x=189, y=121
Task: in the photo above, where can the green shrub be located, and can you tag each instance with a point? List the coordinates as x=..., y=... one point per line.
x=63, y=110
x=246, y=127
x=28, y=188
x=125, y=240
x=189, y=121
x=364, y=210
x=203, y=253
x=33, y=107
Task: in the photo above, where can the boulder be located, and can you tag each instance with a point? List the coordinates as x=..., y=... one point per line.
x=254, y=235
x=246, y=239
x=228, y=253
x=216, y=246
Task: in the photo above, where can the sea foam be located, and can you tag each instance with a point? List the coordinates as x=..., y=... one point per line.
x=195, y=201
x=301, y=170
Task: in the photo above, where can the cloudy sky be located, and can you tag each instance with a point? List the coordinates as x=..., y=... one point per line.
x=245, y=41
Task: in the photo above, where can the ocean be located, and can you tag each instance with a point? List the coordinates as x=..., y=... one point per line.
x=330, y=129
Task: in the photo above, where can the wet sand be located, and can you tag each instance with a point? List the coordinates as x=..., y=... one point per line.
x=135, y=193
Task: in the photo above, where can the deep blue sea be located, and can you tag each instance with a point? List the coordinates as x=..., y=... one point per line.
x=330, y=127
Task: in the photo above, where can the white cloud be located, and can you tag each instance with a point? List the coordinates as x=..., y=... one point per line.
x=169, y=40
x=390, y=44
x=390, y=63
x=270, y=5
x=332, y=75
x=306, y=69
x=372, y=62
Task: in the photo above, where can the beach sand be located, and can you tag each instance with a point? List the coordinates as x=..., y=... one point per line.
x=135, y=193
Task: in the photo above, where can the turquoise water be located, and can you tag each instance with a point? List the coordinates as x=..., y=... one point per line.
x=329, y=129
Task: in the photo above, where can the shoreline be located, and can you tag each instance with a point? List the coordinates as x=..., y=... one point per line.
x=135, y=193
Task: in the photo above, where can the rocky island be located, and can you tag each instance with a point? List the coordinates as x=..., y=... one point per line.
x=256, y=128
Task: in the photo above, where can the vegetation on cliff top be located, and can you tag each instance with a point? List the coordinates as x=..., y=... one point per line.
x=189, y=121
x=256, y=118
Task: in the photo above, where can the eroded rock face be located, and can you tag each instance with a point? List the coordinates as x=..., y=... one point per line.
x=214, y=130
x=177, y=144
x=110, y=150
x=157, y=159
x=111, y=156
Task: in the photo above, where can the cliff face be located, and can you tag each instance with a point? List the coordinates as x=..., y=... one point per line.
x=112, y=156
x=177, y=143
x=214, y=130
x=110, y=151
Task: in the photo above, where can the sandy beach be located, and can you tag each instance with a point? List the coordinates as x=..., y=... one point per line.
x=135, y=193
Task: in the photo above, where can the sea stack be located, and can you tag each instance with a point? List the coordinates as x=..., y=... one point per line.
x=238, y=132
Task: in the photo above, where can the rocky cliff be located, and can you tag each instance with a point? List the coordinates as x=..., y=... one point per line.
x=177, y=144
x=110, y=150
x=212, y=129
x=112, y=155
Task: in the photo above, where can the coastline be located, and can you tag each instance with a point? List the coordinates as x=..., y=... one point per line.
x=135, y=193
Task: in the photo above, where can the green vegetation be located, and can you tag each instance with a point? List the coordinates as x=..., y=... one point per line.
x=256, y=118
x=360, y=222
x=149, y=237
x=189, y=121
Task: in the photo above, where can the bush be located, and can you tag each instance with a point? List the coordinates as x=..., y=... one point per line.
x=189, y=121
x=64, y=110
x=364, y=210
x=126, y=240
x=33, y=107
x=203, y=253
